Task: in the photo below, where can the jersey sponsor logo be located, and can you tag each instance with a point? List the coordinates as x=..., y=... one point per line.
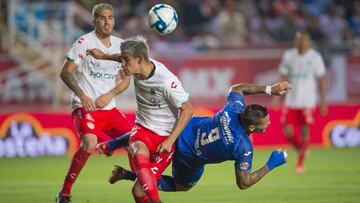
x=100, y=75
x=247, y=153
x=173, y=85
x=154, y=102
x=244, y=165
x=225, y=122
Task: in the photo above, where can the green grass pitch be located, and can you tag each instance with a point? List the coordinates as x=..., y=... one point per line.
x=332, y=175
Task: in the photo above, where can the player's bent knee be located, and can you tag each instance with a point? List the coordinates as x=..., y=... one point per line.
x=128, y=150
x=137, y=190
x=89, y=142
x=288, y=131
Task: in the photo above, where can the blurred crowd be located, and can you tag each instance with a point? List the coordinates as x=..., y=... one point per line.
x=334, y=24
x=238, y=23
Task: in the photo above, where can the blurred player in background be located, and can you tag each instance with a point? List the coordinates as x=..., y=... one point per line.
x=225, y=136
x=95, y=84
x=304, y=68
x=160, y=97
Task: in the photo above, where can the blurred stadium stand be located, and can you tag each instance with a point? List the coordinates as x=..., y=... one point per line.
x=216, y=43
x=35, y=35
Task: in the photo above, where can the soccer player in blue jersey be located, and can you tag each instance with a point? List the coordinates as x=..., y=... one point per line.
x=225, y=136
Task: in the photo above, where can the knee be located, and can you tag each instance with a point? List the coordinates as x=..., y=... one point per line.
x=137, y=190
x=89, y=143
x=128, y=150
x=288, y=131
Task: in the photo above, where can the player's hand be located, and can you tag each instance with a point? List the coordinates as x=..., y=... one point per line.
x=88, y=103
x=280, y=88
x=96, y=53
x=103, y=100
x=277, y=158
x=323, y=109
x=165, y=146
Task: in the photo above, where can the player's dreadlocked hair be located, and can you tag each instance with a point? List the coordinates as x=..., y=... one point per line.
x=252, y=115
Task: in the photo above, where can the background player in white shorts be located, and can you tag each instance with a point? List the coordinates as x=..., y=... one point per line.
x=304, y=68
x=94, y=83
x=159, y=96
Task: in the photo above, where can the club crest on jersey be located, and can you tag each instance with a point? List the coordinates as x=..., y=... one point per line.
x=244, y=165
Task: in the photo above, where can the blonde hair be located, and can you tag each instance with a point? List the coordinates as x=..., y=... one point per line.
x=99, y=7
x=136, y=46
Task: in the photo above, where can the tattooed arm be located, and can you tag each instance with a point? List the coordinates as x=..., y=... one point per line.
x=105, y=99
x=245, y=179
x=68, y=76
x=279, y=88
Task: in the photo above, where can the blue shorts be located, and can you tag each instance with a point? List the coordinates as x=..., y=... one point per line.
x=184, y=174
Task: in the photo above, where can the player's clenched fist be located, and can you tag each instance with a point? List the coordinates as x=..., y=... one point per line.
x=280, y=88
x=277, y=158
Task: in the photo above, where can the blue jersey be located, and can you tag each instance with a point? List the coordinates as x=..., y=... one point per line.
x=218, y=138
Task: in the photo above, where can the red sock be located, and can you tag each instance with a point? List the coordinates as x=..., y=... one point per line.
x=77, y=163
x=143, y=199
x=145, y=176
x=294, y=141
x=302, y=151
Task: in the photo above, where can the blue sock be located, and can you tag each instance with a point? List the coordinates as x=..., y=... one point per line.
x=122, y=141
x=166, y=184
x=130, y=176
